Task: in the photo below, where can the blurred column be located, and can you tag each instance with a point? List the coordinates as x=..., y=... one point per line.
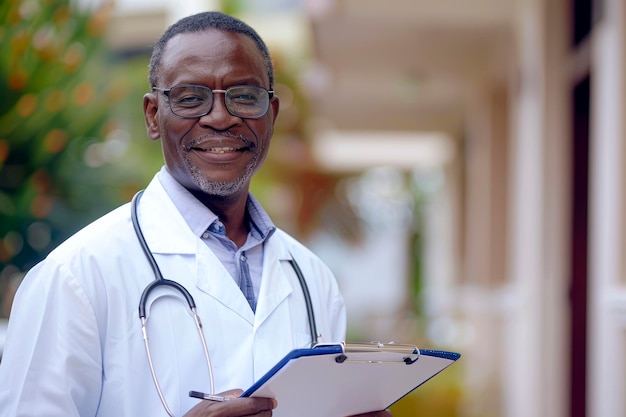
x=535, y=324
x=485, y=243
x=606, y=383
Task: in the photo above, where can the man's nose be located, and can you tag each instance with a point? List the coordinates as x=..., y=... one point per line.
x=219, y=118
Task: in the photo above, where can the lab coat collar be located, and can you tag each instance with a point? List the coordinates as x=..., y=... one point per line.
x=163, y=226
x=167, y=233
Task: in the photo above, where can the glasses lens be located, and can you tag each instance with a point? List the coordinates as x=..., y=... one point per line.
x=190, y=100
x=247, y=102
x=242, y=101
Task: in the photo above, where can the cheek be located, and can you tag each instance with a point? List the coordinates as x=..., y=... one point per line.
x=264, y=146
x=266, y=130
x=174, y=130
x=172, y=138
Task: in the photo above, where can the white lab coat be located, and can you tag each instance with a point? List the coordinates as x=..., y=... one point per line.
x=75, y=346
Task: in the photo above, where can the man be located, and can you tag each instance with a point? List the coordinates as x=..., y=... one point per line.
x=75, y=345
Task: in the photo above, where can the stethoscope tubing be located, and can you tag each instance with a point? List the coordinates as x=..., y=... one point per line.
x=159, y=280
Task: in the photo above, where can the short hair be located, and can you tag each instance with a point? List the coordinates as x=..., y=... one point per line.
x=198, y=23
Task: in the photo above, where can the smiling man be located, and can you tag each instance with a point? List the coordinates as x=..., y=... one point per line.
x=194, y=247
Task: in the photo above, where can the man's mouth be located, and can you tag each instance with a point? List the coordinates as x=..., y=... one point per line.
x=221, y=149
x=220, y=144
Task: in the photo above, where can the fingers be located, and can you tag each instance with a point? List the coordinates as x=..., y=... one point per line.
x=234, y=407
x=260, y=404
x=232, y=393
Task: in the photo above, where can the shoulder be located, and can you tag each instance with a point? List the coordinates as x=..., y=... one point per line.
x=310, y=264
x=295, y=247
x=90, y=267
x=90, y=255
x=328, y=303
x=103, y=234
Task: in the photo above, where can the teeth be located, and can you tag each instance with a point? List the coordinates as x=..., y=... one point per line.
x=220, y=150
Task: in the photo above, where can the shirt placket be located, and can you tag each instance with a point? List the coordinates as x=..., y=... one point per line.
x=245, y=281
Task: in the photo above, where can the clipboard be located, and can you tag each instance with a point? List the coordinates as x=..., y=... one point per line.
x=338, y=380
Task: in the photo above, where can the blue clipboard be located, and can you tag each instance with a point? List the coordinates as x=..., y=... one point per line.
x=338, y=380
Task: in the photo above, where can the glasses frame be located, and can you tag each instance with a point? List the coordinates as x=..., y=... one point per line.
x=166, y=92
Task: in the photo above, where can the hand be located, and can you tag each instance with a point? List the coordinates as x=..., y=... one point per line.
x=235, y=407
x=384, y=413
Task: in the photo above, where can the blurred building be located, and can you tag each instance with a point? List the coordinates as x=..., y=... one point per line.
x=525, y=246
x=512, y=113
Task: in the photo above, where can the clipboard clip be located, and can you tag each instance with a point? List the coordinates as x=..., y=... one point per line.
x=377, y=352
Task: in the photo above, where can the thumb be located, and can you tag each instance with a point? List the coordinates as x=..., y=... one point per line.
x=231, y=393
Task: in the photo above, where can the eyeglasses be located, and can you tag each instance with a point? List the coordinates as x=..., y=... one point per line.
x=190, y=101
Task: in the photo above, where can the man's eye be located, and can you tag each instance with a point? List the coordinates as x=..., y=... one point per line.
x=244, y=98
x=189, y=100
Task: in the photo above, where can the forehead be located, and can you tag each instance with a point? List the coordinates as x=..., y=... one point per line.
x=213, y=51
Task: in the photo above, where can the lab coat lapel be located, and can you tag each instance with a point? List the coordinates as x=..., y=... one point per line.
x=213, y=279
x=275, y=284
x=182, y=255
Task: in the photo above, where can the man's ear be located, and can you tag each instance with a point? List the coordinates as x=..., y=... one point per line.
x=275, y=104
x=150, y=109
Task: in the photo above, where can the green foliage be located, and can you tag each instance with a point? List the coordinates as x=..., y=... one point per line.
x=56, y=131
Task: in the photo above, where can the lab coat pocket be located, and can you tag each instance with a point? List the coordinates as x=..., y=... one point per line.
x=301, y=339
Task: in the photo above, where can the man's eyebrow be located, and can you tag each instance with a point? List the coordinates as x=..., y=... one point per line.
x=255, y=81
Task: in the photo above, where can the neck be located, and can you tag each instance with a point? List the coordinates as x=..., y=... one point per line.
x=232, y=212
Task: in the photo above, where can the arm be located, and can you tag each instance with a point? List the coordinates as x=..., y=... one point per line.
x=51, y=364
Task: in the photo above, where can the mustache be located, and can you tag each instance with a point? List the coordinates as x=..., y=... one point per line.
x=200, y=140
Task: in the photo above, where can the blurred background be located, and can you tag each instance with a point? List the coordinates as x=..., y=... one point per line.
x=457, y=163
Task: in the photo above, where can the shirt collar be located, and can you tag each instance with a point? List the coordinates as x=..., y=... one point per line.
x=199, y=217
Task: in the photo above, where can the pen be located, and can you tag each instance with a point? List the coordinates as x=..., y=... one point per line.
x=211, y=397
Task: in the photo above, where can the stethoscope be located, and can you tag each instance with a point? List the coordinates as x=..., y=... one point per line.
x=159, y=281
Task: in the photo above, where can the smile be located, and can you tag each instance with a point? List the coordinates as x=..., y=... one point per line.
x=220, y=144
x=222, y=149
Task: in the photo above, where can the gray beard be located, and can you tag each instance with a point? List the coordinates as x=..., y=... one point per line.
x=222, y=189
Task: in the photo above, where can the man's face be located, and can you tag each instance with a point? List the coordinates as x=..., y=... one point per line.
x=217, y=153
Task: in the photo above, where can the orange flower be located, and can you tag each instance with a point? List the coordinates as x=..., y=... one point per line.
x=73, y=57
x=4, y=150
x=41, y=181
x=45, y=44
x=83, y=93
x=20, y=43
x=55, y=141
x=18, y=79
x=62, y=15
x=98, y=22
x=41, y=206
x=27, y=105
x=15, y=17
